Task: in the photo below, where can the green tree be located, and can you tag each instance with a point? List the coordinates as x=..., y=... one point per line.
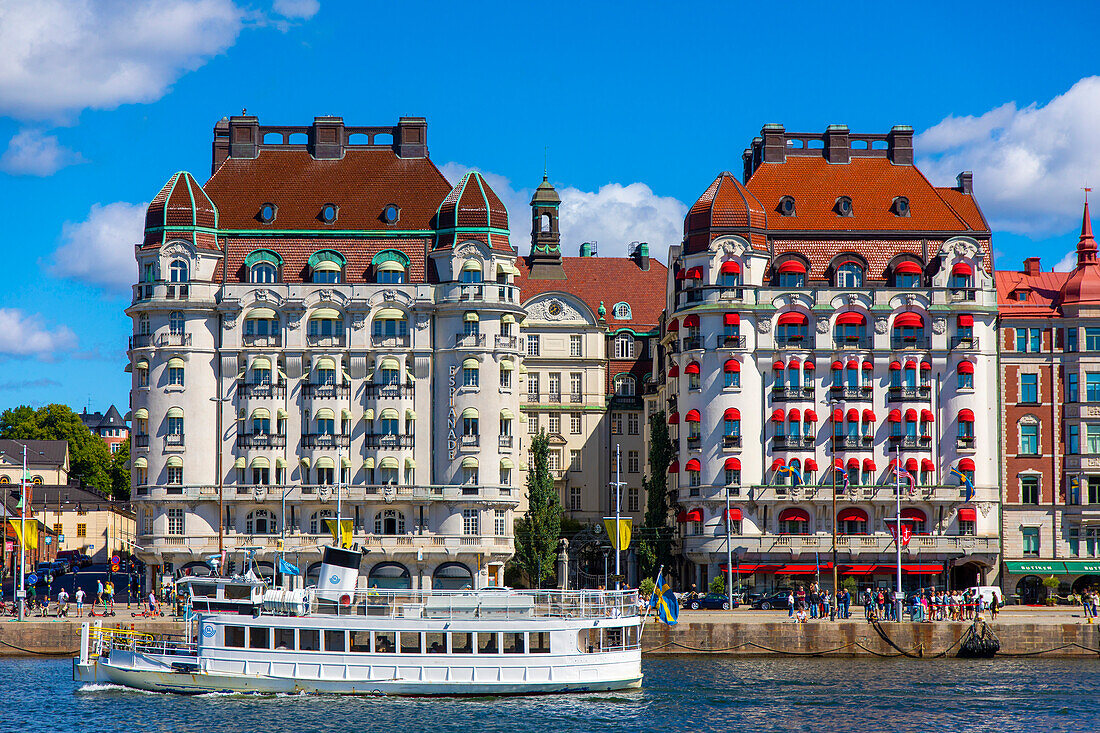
x=655, y=541
x=89, y=459
x=537, y=532
x=120, y=472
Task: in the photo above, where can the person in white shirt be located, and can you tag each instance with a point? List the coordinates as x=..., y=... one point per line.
x=79, y=601
x=62, y=603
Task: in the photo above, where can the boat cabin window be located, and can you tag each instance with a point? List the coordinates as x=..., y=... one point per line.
x=284, y=639
x=385, y=642
x=334, y=641
x=487, y=644
x=461, y=644
x=238, y=592
x=612, y=639
x=607, y=639
x=540, y=642
x=234, y=636
x=259, y=637
x=435, y=642
x=410, y=642
x=203, y=590
x=360, y=641
x=513, y=642
x=309, y=640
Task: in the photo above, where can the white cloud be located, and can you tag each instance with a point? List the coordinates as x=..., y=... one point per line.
x=62, y=56
x=1067, y=263
x=33, y=153
x=100, y=249
x=24, y=334
x=1029, y=164
x=298, y=9
x=614, y=216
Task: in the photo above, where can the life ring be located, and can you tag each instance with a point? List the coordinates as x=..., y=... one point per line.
x=345, y=600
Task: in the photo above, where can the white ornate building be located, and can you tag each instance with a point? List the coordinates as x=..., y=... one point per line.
x=834, y=312
x=327, y=315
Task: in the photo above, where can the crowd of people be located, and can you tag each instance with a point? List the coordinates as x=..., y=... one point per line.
x=815, y=603
x=1090, y=600
x=927, y=604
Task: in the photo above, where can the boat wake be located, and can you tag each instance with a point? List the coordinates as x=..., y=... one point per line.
x=91, y=687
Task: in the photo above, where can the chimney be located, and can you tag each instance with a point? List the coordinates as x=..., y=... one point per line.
x=837, y=147
x=326, y=138
x=588, y=249
x=220, y=148
x=965, y=182
x=244, y=136
x=899, y=145
x=746, y=170
x=1031, y=266
x=775, y=143
x=411, y=140
x=641, y=255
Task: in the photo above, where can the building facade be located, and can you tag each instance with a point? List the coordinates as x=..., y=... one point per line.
x=325, y=322
x=109, y=426
x=591, y=325
x=830, y=315
x=1050, y=420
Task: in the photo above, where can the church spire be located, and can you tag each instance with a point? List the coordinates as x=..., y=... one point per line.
x=545, y=259
x=1086, y=245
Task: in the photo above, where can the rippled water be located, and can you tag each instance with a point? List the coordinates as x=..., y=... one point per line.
x=678, y=694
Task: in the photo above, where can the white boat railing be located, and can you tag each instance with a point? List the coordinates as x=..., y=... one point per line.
x=103, y=641
x=515, y=604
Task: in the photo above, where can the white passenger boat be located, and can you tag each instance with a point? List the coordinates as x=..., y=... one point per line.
x=343, y=638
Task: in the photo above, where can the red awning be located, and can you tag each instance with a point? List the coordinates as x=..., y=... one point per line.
x=692, y=416
x=962, y=268
x=966, y=320
x=733, y=464
x=695, y=515
x=778, y=365
x=808, y=366
x=851, y=514
x=674, y=467
x=734, y=514
x=966, y=464
x=914, y=514
x=911, y=364
x=691, y=321
x=927, y=465
x=681, y=274
x=837, y=366
x=868, y=366
x=695, y=273
x=911, y=415
x=966, y=367
x=731, y=413
x=794, y=364
x=811, y=416
x=692, y=368
x=777, y=464
x=922, y=569
x=894, y=416
x=859, y=570
x=693, y=465
x=732, y=365
x=853, y=414
x=895, y=366
x=869, y=465
x=673, y=325
x=792, y=266
x=967, y=514
x=893, y=463
x=732, y=319
x=838, y=415
x=682, y=517
x=925, y=366
x=792, y=318
x=852, y=364
x=794, y=514
x=794, y=415
x=730, y=266
x=908, y=268
x=674, y=419
x=927, y=416
x=913, y=320
x=777, y=416
x=674, y=371
x=838, y=464
x=804, y=569
x=750, y=568
x=966, y=416
x=868, y=416
x=810, y=465
x=850, y=318
x=853, y=463
x=911, y=465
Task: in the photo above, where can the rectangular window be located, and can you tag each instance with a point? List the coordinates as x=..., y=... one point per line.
x=733, y=477
x=1031, y=541
x=259, y=637
x=499, y=525
x=532, y=344
x=1035, y=340
x=575, y=386
x=575, y=460
x=1071, y=339
x=462, y=643
x=966, y=527
x=487, y=643
x=233, y=636
x=505, y=378
x=575, y=345
x=1075, y=541
x=553, y=386
x=82, y=530
x=1029, y=490
x=632, y=499
x=555, y=423
x=539, y=642
x=553, y=460
x=533, y=424
x=1092, y=339
x=1092, y=386
x=1094, y=490
x=1072, y=392
x=533, y=387
x=1029, y=388
x=632, y=423
x=575, y=423
x=175, y=522
x=1021, y=340
x=616, y=423
x=733, y=380
x=1092, y=438
x=633, y=462
x=410, y=642
x=574, y=498
x=471, y=522
x=309, y=640
x=1029, y=440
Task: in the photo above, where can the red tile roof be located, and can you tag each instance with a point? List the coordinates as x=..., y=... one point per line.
x=725, y=207
x=609, y=280
x=296, y=252
x=473, y=204
x=181, y=202
x=1043, y=291
x=877, y=252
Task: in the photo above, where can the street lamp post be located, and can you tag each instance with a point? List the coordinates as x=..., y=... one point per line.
x=832, y=459
x=21, y=593
x=729, y=553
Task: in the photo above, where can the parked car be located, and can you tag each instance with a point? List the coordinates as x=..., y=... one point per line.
x=52, y=568
x=711, y=601
x=74, y=558
x=772, y=600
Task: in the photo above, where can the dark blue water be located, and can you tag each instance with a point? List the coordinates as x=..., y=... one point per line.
x=679, y=694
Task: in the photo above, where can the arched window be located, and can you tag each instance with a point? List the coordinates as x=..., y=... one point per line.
x=261, y=323
x=390, y=323
x=178, y=271
x=907, y=274
x=317, y=521
x=327, y=266
x=471, y=373
x=5, y=480
x=389, y=576
x=175, y=371
x=175, y=322
x=794, y=521
x=624, y=385
x=849, y=275
x=729, y=274
x=452, y=576
x=962, y=277
x=545, y=222
x=624, y=346
x=36, y=481
x=390, y=266
x=326, y=323
x=263, y=272
x=389, y=522
x=471, y=272
x=790, y=273
x=260, y=521
x=620, y=311
x=175, y=425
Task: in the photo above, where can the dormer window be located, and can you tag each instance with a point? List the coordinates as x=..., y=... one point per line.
x=391, y=214
x=1020, y=295
x=786, y=206
x=620, y=311
x=849, y=275
x=901, y=206
x=843, y=206
x=329, y=212
x=267, y=213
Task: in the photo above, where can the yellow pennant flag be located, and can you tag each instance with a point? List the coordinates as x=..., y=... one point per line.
x=346, y=531
x=619, y=540
x=32, y=532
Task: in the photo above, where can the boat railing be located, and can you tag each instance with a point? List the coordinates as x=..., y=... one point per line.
x=103, y=641
x=594, y=604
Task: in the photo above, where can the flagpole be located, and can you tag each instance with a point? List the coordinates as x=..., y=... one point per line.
x=22, y=592
x=897, y=528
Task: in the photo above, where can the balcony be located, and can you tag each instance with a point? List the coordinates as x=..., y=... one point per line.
x=141, y=441
x=965, y=344
x=507, y=342
x=912, y=443
x=477, y=293
x=576, y=397
x=469, y=340
x=731, y=441
x=959, y=295
x=901, y=394
x=732, y=342
x=792, y=442
x=173, y=339
x=261, y=339
x=794, y=343
x=625, y=402
x=710, y=294
x=325, y=391
x=173, y=439
x=469, y=441
x=783, y=394
x=897, y=342
x=325, y=340
x=325, y=440
x=693, y=443
x=533, y=397
x=553, y=397
x=261, y=390
x=385, y=440
x=965, y=443
x=504, y=441
x=858, y=394
x=693, y=342
x=389, y=391
x=854, y=343
x=790, y=545
x=390, y=341
x=141, y=341
x=311, y=492
x=261, y=440
x=853, y=443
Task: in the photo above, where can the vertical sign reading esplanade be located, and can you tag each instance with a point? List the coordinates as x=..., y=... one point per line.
x=452, y=437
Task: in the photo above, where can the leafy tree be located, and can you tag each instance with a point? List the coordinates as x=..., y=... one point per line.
x=89, y=459
x=120, y=471
x=537, y=533
x=718, y=585
x=655, y=540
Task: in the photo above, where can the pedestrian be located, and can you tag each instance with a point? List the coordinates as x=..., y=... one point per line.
x=790, y=604
x=32, y=597
x=152, y=603
x=79, y=595
x=109, y=597
x=994, y=607
x=814, y=602
x=62, y=603
x=98, y=594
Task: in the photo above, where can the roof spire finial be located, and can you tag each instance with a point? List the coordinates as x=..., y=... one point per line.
x=1086, y=245
x=545, y=160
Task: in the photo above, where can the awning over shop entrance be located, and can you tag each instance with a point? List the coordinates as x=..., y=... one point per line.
x=1088, y=567
x=1036, y=567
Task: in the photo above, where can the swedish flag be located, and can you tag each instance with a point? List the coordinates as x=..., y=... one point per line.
x=664, y=600
x=968, y=494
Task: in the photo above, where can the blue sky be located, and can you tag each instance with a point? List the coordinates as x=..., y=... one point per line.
x=640, y=105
